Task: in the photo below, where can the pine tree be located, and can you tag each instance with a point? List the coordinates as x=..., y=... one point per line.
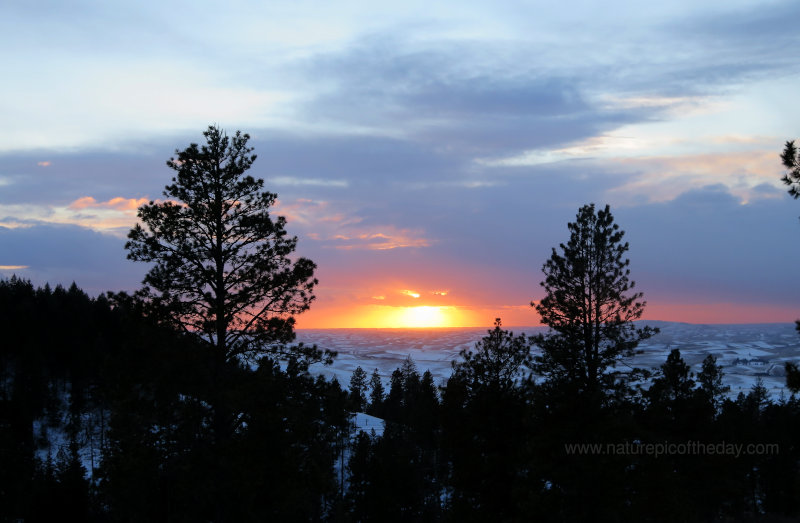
x=791, y=160
x=675, y=381
x=792, y=377
x=222, y=268
x=710, y=380
x=376, y=394
x=484, y=415
x=358, y=388
x=588, y=305
x=393, y=404
x=498, y=360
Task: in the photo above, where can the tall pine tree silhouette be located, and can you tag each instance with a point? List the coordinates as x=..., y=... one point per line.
x=222, y=267
x=588, y=304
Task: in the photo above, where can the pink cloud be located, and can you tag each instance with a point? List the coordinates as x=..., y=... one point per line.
x=83, y=203
x=118, y=204
x=664, y=178
x=342, y=229
x=382, y=241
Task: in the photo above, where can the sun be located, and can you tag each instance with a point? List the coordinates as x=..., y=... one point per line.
x=422, y=316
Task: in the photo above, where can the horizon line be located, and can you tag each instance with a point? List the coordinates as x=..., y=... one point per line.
x=507, y=327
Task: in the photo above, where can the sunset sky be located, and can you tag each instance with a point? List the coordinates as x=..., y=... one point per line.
x=428, y=155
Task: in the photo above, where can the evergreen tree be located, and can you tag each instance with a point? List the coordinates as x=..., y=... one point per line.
x=393, y=405
x=376, y=394
x=757, y=399
x=710, y=380
x=412, y=390
x=792, y=377
x=498, y=360
x=409, y=372
x=674, y=382
x=791, y=160
x=222, y=267
x=486, y=435
x=358, y=389
x=587, y=304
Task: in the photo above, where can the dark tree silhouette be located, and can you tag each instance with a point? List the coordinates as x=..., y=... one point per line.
x=358, y=389
x=222, y=264
x=498, y=361
x=376, y=394
x=674, y=382
x=587, y=303
x=792, y=377
x=791, y=160
x=485, y=428
x=710, y=381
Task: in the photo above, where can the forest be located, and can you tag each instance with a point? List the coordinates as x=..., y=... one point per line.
x=188, y=400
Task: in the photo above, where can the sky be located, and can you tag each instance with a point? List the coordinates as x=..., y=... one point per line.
x=428, y=155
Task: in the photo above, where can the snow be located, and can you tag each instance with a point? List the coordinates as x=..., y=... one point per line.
x=369, y=424
x=436, y=349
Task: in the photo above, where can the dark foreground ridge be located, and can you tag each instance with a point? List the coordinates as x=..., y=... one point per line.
x=104, y=418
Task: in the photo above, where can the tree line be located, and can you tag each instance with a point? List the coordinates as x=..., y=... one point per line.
x=189, y=400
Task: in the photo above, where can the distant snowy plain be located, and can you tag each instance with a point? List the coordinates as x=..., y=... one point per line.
x=745, y=351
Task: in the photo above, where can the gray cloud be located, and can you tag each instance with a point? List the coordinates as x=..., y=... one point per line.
x=66, y=253
x=69, y=176
x=705, y=243
x=443, y=95
x=701, y=53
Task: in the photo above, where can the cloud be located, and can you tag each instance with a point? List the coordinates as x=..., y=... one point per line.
x=61, y=254
x=118, y=204
x=115, y=216
x=706, y=247
x=292, y=180
x=740, y=42
x=390, y=238
x=665, y=178
x=103, y=175
x=671, y=104
x=428, y=95
x=307, y=212
x=343, y=231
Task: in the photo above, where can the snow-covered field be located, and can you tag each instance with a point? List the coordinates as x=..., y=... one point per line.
x=745, y=351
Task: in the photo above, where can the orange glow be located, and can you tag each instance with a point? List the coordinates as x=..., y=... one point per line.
x=410, y=293
x=378, y=316
x=412, y=317
x=388, y=317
